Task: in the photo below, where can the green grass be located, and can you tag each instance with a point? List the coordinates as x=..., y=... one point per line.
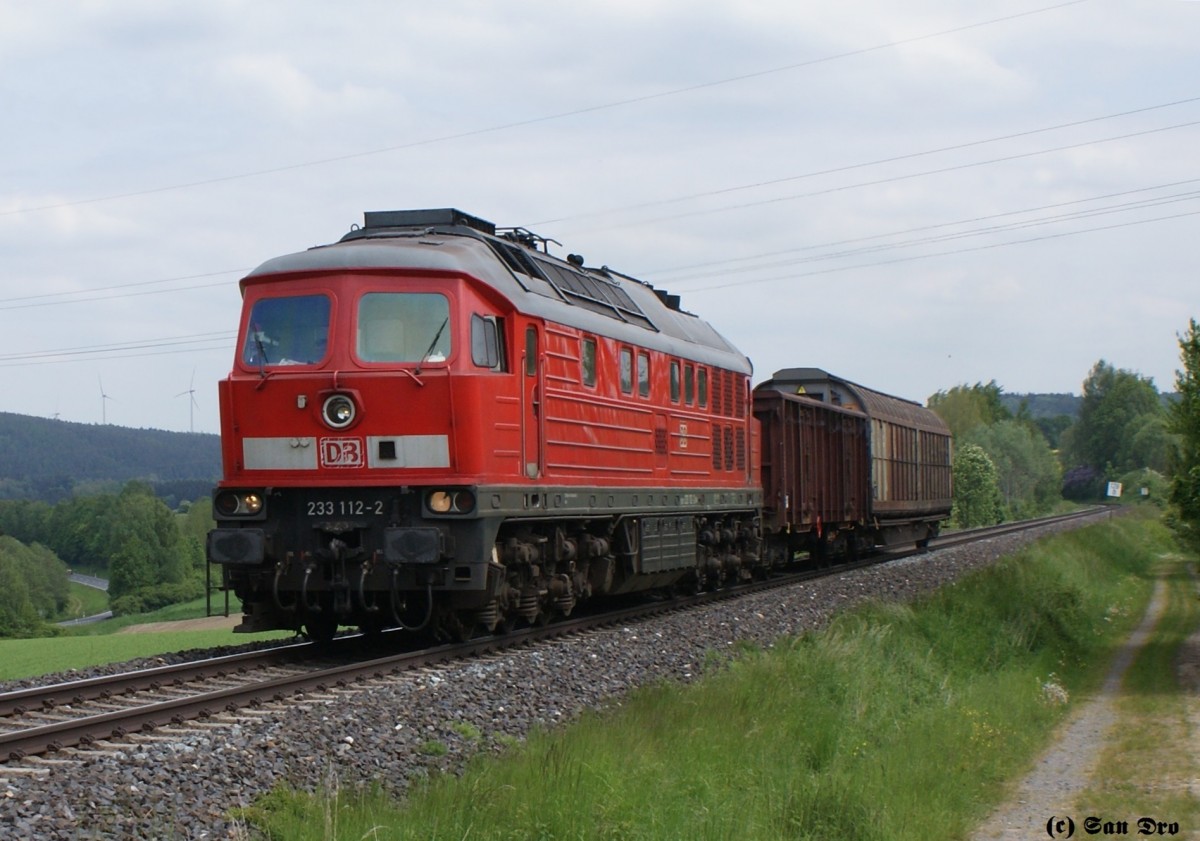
x=99, y=643
x=898, y=722
x=194, y=609
x=1149, y=765
x=84, y=601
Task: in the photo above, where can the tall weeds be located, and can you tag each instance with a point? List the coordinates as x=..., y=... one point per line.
x=899, y=721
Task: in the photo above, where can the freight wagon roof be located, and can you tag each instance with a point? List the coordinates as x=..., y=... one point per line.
x=821, y=385
x=596, y=300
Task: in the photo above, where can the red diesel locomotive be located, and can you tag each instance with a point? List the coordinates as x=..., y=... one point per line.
x=435, y=424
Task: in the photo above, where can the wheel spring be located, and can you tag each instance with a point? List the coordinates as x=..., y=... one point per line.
x=529, y=605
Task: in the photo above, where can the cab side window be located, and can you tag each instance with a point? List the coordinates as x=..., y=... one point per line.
x=587, y=361
x=487, y=347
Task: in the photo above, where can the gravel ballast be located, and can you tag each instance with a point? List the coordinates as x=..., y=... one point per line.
x=182, y=782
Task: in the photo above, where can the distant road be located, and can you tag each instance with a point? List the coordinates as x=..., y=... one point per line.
x=90, y=581
x=88, y=620
x=97, y=583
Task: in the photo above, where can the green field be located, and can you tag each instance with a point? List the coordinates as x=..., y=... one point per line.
x=99, y=643
x=898, y=722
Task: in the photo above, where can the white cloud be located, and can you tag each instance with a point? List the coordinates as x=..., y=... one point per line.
x=749, y=136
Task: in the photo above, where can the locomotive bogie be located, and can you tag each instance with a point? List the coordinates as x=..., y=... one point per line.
x=342, y=557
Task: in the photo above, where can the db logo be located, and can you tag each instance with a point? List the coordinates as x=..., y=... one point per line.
x=341, y=452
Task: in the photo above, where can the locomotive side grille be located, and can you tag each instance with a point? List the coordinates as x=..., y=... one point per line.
x=729, y=454
x=741, y=450
x=718, y=378
x=739, y=397
x=728, y=389
x=660, y=441
x=718, y=460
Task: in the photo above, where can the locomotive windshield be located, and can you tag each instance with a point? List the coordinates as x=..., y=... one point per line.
x=287, y=331
x=403, y=327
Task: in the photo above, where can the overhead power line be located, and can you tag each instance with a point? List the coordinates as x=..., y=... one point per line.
x=122, y=350
x=1133, y=205
x=835, y=269
x=546, y=117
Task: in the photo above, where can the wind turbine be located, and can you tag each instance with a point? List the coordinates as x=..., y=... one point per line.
x=192, y=405
x=103, y=404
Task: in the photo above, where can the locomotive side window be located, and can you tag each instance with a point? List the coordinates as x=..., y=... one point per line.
x=643, y=374
x=702, y=386
x=689, y=384
x=626, y=370
x=674, y=380
x=403, y=327
x=487, y=351
x=587, y=360
x=530, y=351
x=287, y=331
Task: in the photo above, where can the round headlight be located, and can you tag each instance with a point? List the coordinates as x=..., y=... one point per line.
x=237, y=504
x=440, y=502
x=451, y=502
x=339, y=411
x=464, y=502
x=226, y=503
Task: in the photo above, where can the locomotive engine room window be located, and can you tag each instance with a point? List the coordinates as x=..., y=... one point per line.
x=689, y=384
x=702, y=386
x=587, y=361
x=626, y=370
x=643, y=374
x=674, y=380
x=287, y=331
x=403, y=327
x=487, y=351
x=530, y=351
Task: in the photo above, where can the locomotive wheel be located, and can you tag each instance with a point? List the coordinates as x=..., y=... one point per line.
x=507, y=624
x=320, y=627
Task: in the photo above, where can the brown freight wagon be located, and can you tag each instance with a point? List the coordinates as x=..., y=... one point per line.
x=845, y=468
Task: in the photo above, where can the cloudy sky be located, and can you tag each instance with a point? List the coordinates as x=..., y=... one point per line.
x=913, y=196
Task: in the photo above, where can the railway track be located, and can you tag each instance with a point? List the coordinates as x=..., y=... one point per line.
x=81, y=714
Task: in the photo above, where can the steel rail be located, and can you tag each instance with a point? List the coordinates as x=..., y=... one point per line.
x=117, y=724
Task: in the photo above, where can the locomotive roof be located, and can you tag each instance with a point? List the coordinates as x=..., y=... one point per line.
x=820, y=385
x=598, y=300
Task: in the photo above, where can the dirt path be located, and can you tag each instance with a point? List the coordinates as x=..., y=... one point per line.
x=1066, y=769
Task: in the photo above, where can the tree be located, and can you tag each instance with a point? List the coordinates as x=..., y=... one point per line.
x=1028, y=475
x=1116, y=405
x=33, y=587
x=1184, y=421
x=965, y=408
x=976, y=489
x=151, y=563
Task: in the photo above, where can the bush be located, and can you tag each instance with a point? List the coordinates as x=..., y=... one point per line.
x=152, y=598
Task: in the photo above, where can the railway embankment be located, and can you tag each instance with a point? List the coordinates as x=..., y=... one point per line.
x=910, y=716
x=891, y=702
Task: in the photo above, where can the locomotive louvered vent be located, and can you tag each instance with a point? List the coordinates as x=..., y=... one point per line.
x=660, y=442
x=716, y=445
x=741, y=450
x=574, y=286
x=718, y=378
x=594, y=293
x=729, y=454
